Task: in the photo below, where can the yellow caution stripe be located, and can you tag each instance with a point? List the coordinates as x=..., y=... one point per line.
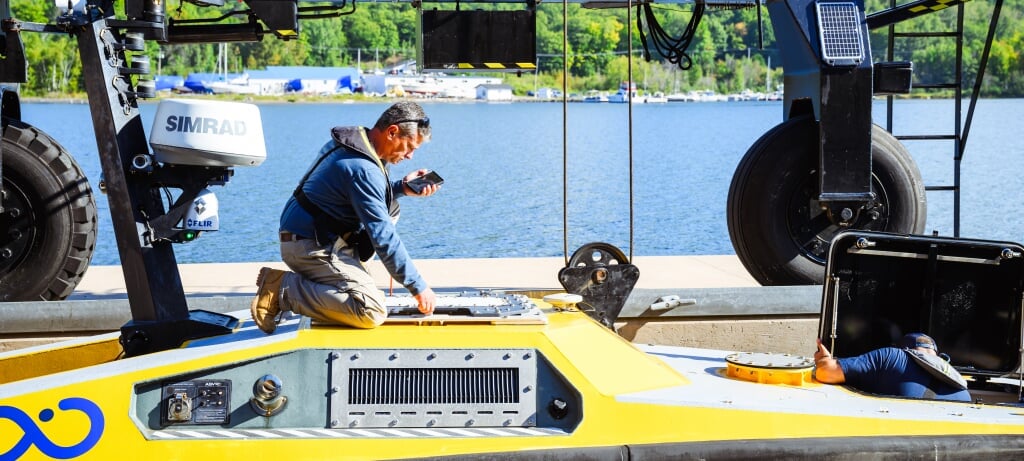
x=496, y=65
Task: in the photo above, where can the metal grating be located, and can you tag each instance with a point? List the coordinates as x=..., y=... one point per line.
x=432, y=388
x=394, y=386
x=839, y=28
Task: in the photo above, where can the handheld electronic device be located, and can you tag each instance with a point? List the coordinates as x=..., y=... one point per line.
x=418, y=183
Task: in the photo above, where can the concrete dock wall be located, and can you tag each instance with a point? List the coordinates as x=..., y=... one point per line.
x=716, y=304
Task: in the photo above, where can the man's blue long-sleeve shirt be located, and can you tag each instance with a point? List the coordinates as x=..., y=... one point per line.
x=351, y=186
x=890, y=371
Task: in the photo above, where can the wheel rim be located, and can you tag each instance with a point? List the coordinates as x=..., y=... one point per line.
x=19, y=220
x=810, y=227
x=597, y=254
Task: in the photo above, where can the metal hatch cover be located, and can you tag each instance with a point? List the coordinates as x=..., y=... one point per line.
x=966, y=294
x=467, y=307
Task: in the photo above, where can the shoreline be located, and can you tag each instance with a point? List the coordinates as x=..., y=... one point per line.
x=350, y=99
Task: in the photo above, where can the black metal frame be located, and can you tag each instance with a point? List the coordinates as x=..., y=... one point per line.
x=961, y=125
x=839, y=97
x=155, y=291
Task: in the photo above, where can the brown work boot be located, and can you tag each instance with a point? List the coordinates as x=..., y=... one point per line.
x=266, y=306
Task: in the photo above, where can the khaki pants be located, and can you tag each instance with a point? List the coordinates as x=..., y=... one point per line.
x=330, y=285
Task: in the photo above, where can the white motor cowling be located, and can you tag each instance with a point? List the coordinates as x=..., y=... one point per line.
x=208, y=133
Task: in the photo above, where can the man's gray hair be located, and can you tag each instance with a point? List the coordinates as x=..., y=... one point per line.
x=409, y=117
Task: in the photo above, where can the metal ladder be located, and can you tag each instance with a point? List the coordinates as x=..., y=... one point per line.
x=961, y=126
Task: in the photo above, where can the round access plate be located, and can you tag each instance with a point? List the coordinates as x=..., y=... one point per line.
x=770, y=368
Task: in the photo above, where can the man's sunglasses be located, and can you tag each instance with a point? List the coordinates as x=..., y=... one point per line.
x=420, y=122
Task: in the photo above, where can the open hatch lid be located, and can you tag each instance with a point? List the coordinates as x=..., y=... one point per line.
x=966, y=294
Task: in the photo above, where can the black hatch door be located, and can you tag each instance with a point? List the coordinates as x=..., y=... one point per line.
x=966, y=294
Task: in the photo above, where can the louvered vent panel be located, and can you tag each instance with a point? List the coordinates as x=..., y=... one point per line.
x=426, y=388
x=392, y=386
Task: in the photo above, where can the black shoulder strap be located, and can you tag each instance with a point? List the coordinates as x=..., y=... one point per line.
x=320, y=217
x=325, y=222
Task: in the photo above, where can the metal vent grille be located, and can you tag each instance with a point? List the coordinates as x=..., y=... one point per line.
x=394, y=386
x=432, y=388
x=840, y=33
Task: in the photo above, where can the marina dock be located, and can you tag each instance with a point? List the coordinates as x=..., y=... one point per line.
x=719, y=305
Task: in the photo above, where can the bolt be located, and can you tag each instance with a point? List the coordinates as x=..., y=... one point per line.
x=506, y=356
x=353, y=424
x=335, y=355
x=334, y=423
x=336, y=389
x=508, y=422
x=470, y=356
x=6, y=253
x=471, y=422
x=846, y=214
x=600, y=275
x=527, y=388
x=355, y=356
x=432, y=356
x=431, y=423
x=14, y=212
x=393, y=356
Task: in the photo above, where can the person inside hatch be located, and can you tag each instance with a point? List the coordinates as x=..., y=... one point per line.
x=341, y=214
x=911, y=369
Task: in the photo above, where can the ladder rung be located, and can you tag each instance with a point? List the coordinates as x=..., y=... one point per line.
x=926, y=137
x=931, y=86
x=941, y=188
x=926, y=34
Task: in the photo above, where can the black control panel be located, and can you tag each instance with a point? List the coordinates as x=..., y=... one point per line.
x=204, y=401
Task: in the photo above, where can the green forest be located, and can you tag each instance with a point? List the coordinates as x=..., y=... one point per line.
x=724, y=54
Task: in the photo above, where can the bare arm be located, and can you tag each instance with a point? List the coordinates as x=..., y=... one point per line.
x=827, y=368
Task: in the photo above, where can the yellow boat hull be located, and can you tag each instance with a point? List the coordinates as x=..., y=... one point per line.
x=581, y=391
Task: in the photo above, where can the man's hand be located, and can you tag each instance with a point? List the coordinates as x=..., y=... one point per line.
x=427, y=190
x=822, y=353
x=427, y=301
x=827, y=369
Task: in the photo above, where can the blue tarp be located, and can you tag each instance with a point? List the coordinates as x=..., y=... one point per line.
x=169, y=82
x=197, y=82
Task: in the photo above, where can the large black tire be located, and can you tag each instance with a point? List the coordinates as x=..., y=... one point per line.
x=777, y=229
x=48, y=223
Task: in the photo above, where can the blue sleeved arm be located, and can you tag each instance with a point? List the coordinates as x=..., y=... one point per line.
x=369, y=201
x=398, y=188
x=880, y=371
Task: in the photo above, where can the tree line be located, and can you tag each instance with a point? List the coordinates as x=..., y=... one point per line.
x=724, y=55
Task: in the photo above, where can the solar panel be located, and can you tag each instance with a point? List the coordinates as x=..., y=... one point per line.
x=839, y=28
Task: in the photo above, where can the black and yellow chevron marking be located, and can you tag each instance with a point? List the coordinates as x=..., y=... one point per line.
x=907, y=11
x=496, y=66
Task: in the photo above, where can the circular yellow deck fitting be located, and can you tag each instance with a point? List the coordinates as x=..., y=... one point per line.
x=563, y=300
x=770, y=368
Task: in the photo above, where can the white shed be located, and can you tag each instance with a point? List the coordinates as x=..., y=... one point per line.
x=494, y=92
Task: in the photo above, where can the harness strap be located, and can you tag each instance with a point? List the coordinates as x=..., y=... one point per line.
x=324, y=224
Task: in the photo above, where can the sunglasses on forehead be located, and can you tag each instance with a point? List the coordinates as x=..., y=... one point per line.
x=420, y=122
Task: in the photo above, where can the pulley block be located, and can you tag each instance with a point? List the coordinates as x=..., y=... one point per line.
x=603, y=276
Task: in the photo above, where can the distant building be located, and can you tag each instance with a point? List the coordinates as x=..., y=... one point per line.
x=306, y=79
x=442, y=86
x=548, y=93
x=494, y=92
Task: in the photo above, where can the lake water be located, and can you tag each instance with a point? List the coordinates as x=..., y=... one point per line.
x=502, y=164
